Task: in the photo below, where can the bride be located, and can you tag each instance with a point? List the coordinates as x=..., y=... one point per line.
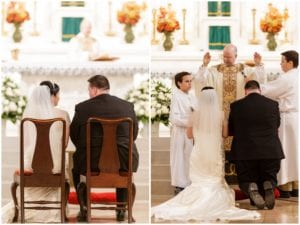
x=41, y=105
x=208, y=198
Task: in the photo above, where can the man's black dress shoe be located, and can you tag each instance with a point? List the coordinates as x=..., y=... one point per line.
x=120, y=215
x=82, y=216
x=284, y=194
x=255, y=196
x=269, y=195
x=294, y=193
x=177, y=190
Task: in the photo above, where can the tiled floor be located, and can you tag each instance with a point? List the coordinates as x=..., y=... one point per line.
x=285, y=211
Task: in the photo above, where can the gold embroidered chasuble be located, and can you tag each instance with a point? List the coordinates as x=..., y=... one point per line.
x=230, y=77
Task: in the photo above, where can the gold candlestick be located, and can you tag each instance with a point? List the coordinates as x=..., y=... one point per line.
x=110, y=32
x=253, y=41
x=285, y=17
x=154, y=41
x=3, y=11
x=183, y=41
x=34, y=32
x=143, y=9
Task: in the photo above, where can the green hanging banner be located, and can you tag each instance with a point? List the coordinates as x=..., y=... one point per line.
x=212, y=8
x=219, y=36
x=226, y=9
x=70, y=27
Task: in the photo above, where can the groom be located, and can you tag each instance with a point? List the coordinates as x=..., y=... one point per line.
x=256, y=149
x=100, y=104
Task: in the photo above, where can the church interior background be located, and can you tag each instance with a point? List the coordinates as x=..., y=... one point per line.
x=44, y=54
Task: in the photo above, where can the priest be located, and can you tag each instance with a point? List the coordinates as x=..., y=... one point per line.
x=228, y=79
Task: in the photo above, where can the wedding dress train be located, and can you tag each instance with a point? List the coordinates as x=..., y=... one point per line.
x=208, y=198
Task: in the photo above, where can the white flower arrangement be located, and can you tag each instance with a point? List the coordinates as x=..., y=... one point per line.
x=160, y=102
x=13, y=103
x=140, y=98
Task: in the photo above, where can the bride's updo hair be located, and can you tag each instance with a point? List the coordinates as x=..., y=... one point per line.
x=54, y=88
x=207, y=88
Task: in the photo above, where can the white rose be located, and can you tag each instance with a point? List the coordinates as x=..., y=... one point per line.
x=19, y=110
x=153, y=113
x=6, y=109
x=141, y=112
x=165, y=110
x=12, y=106
x=9, y=92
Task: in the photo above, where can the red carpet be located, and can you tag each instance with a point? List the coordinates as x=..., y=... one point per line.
x=239, y=195
x=95, y=197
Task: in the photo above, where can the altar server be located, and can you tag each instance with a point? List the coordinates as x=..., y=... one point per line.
x=285, y=90
x=182, y=104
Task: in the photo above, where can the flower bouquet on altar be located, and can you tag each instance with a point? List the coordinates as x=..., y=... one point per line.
x=272, y=24
x=140, y=98
x=13, y=103
x=160, y=102
x=167, y=24
x=129, y=15
x=17, y=14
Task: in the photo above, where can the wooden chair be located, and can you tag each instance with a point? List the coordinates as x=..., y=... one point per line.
x=109, y=166
x=42, y=166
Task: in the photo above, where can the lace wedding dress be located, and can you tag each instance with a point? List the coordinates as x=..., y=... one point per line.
x=208, y=198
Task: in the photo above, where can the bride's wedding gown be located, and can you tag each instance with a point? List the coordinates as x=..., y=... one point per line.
x=208, y=198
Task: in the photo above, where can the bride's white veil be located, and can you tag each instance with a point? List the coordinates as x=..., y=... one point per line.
x=39, y=106
x=207, y=156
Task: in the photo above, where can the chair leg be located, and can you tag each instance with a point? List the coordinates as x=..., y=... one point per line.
x=130, y=204
x=13, y=189
x=67, y=192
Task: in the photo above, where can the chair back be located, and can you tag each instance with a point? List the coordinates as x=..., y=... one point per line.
x=110, y=175
x=42, y=165
x=42, y=161
x=109, y=161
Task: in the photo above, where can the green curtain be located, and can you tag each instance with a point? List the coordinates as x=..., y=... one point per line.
x=70, y=27
x=212, y=8
x=226, y=8
x=219, y=36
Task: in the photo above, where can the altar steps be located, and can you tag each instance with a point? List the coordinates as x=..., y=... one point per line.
x=161, y=188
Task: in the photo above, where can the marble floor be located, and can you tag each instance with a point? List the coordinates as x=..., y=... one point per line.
x=285, y=211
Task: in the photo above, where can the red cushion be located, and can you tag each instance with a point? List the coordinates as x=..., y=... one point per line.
x=239, y=195
x=95, y=197
x=26, y=172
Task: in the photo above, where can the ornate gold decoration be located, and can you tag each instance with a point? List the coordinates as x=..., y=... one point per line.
x=253, y=41
x=34, y=32
x=285, y=18
x=229, y=91
x=183, y=41
x=110, y=31
x=3, y=12
x=15, y=54
x=154, y=41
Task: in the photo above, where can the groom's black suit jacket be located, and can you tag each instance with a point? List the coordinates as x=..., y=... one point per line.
x=253, y=123
x=105, y=106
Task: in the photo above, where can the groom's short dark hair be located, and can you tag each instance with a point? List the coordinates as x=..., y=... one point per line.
x=99, y=81
x=251, y=85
